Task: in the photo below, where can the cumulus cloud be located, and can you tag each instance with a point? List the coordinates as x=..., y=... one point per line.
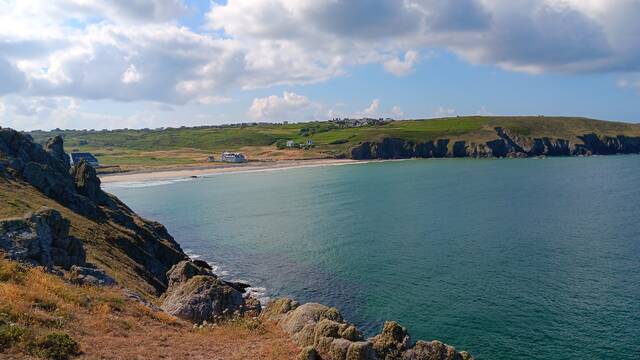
x=136, y=50
x=290, y=107
x=396, y=111
x=444, y=112
x=402, y=67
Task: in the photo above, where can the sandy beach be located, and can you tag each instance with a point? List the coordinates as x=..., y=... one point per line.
x=220, y=168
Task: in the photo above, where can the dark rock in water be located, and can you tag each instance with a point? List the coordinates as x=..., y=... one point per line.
x=41, y=238
x=55, y=147
x=82, y=275
x=202, y=298
x=202, y=264
x=238, y=285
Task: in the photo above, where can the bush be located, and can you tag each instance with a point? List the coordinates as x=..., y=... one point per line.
x=10, y=335
x=56, y=346
x=339, y=141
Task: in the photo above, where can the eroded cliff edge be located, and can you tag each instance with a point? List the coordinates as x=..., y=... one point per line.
x=505, y=144
x=57, y=216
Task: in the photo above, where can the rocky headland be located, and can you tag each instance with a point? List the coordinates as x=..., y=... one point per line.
x=506, y=144
x=56, y=217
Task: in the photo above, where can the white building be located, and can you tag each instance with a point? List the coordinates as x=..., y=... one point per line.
x=291, y=143
x=233, y=157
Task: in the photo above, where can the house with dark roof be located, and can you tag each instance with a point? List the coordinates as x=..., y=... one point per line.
x=76, y=157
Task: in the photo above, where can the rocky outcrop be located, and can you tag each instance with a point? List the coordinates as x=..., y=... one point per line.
x=55, y=147
x=196, y=294
x=146, y=243
x=506, y=144
x=322, y=334
x=41, y=238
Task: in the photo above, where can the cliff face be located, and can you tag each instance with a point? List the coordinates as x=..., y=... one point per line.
x=506, y=144
x=132, y=247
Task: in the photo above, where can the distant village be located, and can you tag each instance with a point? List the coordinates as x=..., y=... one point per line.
x=237, y=157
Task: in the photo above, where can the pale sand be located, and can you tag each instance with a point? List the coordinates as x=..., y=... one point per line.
x=221, y=168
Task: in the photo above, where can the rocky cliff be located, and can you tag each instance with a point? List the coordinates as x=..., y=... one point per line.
x=63, y=221
x=505, y=144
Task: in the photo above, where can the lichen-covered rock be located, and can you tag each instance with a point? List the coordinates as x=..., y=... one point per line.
x=201, y=298
x=391, y=342
x=41, y=238
x=295, y=320
x=361, y=350
x=308, y=353
x=434, y=350
x=185, y=270
x=275, y=310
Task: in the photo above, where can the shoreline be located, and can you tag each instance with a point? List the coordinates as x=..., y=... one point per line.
x=160, y=175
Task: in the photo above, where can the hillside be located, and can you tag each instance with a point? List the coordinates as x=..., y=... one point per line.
x=132, y=149
x=82, y=275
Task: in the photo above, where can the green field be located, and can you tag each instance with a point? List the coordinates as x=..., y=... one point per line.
x=186, y=145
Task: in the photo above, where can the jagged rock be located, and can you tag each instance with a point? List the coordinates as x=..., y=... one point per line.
x=185, y=270
x=295, y=320
x=83, y=275
x=391, y=342
x=201, y=298
x=87, y=182
x=55, y=147
x=41, y=238
x=435, y=350
x=308, y=353
x=361, y=350
x=278, y=308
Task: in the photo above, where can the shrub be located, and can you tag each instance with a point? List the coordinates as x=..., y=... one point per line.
x=56, y=346
x=339, y=141
x=10, y=335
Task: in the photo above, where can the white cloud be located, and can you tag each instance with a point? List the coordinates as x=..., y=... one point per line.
x=290, y=107
x=131, y=75
x=372, y=110
x=632, y=82
x=402, y=67
x=396, y=111
x=136, y=50
x=444, y=112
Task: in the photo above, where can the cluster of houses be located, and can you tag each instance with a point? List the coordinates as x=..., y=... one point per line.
x=346, y=122
x=293, y=144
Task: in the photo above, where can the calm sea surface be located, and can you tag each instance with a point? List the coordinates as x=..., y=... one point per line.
x=508, y=259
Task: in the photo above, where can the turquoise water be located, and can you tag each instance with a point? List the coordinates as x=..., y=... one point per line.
x=508, y=259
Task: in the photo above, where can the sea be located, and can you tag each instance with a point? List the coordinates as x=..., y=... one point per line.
x=506, y=259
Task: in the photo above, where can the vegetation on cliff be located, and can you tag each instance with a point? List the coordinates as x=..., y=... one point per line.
x=133, y=149
x=82, y=275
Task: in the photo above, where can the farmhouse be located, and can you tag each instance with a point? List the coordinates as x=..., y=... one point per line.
x=76, y=157
x=291, y=143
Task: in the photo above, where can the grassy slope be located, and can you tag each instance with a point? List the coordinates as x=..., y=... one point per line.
x=106, y=325
x=19, y=198
x=191, y=145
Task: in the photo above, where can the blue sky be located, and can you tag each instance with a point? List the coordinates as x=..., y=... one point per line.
x=115, y=64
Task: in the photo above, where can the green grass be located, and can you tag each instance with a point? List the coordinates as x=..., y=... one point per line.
x=124, y=147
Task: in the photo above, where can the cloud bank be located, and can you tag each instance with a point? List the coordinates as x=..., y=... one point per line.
x=139, y=50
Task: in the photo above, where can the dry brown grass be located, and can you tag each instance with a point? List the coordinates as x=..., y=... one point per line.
x=107, y=325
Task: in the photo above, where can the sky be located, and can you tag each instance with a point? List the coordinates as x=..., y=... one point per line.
x=89, y=64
